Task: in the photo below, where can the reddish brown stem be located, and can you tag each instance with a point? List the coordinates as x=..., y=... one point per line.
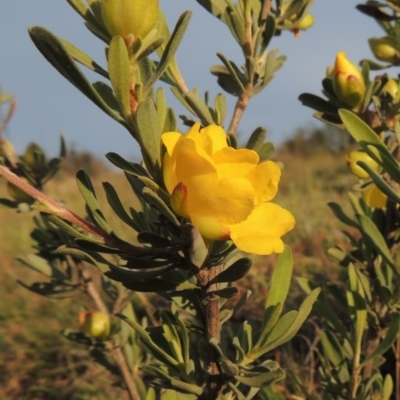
x=212, y=330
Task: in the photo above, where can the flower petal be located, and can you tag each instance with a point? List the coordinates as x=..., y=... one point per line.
x=170, y=139
x=217, y=136
x=235, y=163
x=265, y=178
x=210, y=228
x=190, y=161
x=374, y=197
x=230, y=201
x=169, y=173
x=262, y=230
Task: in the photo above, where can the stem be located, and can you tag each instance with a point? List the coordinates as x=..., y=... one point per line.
x=355, y=375
x=265, y=11
x=212, y=329
x=240, y=106
x=117, y=354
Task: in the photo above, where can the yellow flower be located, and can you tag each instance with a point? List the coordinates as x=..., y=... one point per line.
x=223, y=191
x=348, y=82
x=94, y=324
x=374, y=197
x=126, y=17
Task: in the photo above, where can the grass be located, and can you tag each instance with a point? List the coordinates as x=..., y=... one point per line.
x=38, y=363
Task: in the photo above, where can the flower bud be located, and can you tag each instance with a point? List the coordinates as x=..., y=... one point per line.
x=385, y=49
x=127, y=17
x=306, y=23
x=34, y=157
x=6, y=148
x=18, y=194
x=94, y=324
x=355, y=156
x=348, y=82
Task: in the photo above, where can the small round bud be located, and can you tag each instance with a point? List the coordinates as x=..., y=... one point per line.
x=386, y=49
x=306, y=23
x=355, y=156
x=94, y=324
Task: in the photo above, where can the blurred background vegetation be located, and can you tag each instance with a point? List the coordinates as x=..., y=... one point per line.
x=36, y=362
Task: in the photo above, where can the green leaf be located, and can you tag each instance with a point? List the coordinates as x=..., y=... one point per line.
x=388, y=340
x=199, y=108
x=257, y=139
x=106, y=93
x=170, y=49
x=323, y=307
x=366, y=137
x=118, y=68
x=235, y=24
x=144, y=335
x=51, y=289
x=220, y=108
x=153, y=239
x=67, y=227
x=375, y=239
x=42, y=266
x=332, y=348
x=318, y=103
x=88, y=193
x=341, y=216
x=268, y=34
x=287, y=326
x=262, y=379
x=116, y=205
x=150, y=135
x=266, y=151
x=281, y=278
x=234, y=272
x=55, y=53
x=84, y=59
x=382, y=185
x=153, y=199
x=215, y=7
x=198, y=251
x=157, y=285
x=233, y=71
x=92, y=258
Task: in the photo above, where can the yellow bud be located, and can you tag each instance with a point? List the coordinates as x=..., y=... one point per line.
x=94, y=324
x=386, y=49
x=348, y=82
x=18, y=194
x=306, y=23
x=355, y=156
x=391, y=88
x=6, y=148
x=126, y=17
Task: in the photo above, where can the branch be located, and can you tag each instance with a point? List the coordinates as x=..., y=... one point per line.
x=117, y=353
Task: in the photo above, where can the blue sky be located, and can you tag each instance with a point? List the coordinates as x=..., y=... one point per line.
x=48, y=104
